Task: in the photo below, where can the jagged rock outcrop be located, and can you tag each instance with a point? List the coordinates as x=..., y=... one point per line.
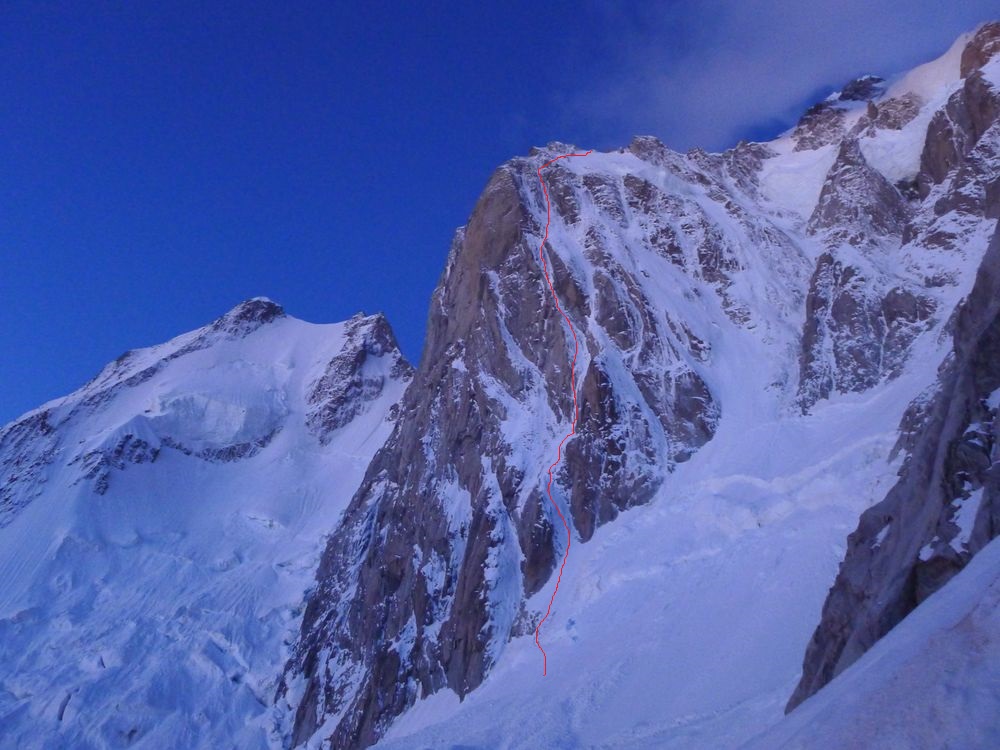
x=248, y=316
x=945, y=508
x=862, y=89
x=889, y=114
x=822, y=125
x=825, y=123
x=357, y=377
x=857, y=205
x=859, y=320
x=956, y=129
x=27, y=447
x=855, y=333
x=983, y=46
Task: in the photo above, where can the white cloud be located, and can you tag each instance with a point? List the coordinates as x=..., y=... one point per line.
x=706, y=73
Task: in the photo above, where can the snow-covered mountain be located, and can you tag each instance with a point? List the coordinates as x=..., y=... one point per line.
x=933, y=681
x=162, y=524
x=767, y=338
x=753, y=325
x=945, y=507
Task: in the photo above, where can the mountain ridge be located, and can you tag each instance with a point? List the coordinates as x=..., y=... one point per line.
x=162, y=525
x=360, y=550
x=849, y=270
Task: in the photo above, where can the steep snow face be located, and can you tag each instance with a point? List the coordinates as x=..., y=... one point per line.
x=933, y=681
x=752, y=326
x=162, y=523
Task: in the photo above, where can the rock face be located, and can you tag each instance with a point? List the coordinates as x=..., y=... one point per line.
x=955, y=130
x=945, y=508
x=357, y=377
x=821, y=125
x=423, y=583
x=862, y=89
x=653, y=254
x=939, y=514
x=981, y=49
x=860, y=321
x=450, y=535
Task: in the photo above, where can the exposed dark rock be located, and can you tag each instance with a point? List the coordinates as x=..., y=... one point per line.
x=976, y=181
x=441, y=581
x=649, y=148
x=248, y=316
x=943, y=510
x=606, y=196
x=890, y=114
x=854, y=334
x=862, y=89
x=821, y=125
x=859, y=323
x=985, y=43
x=956, y=129
x=857, y=205
x=129, y=449
x=743, y=164
x=27, y=446
x=356, y=376
x=414, y=589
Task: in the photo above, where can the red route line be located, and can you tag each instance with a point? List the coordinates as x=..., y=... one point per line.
x=576, y=413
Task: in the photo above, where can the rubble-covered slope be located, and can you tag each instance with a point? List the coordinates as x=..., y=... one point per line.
x=162, y=523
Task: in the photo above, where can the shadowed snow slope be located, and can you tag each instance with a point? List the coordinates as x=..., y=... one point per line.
x=161, y=529
x=932, y=682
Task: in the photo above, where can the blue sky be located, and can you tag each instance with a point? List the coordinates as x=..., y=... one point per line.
x=160, y=162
